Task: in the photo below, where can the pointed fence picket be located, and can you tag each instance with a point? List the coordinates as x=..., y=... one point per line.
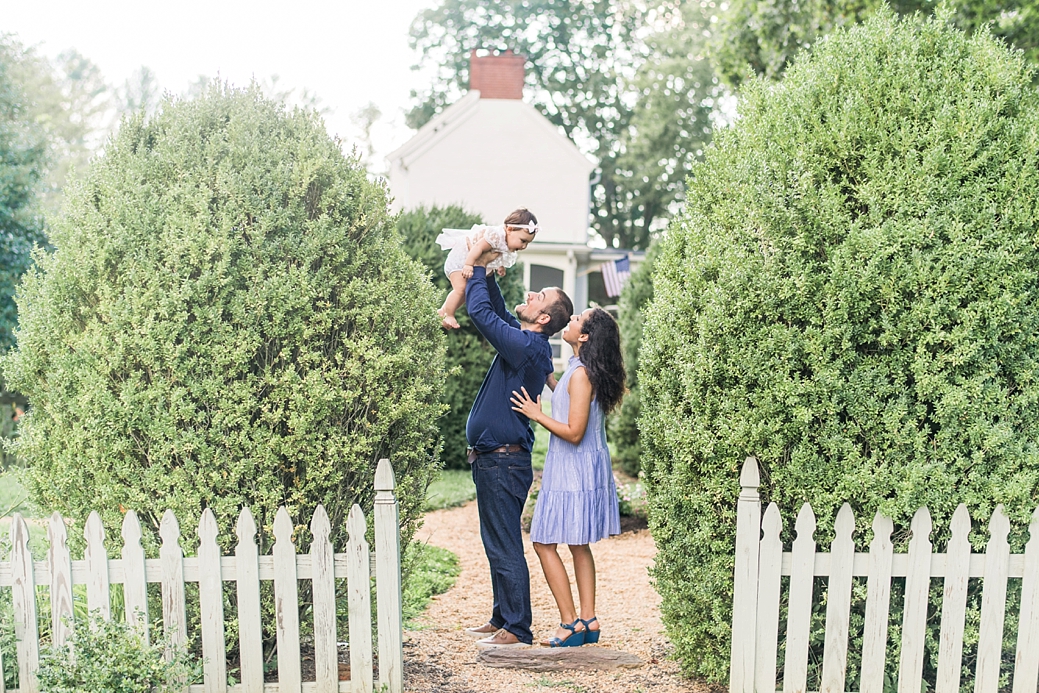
x=760, y=564
x=210, y=570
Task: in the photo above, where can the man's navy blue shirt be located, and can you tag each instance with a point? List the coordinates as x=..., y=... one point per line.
x=524, y=359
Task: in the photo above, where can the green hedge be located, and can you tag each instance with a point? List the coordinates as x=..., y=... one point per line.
x=467, y=351
x=227, y=319
x=624, y=430
x=851, y=295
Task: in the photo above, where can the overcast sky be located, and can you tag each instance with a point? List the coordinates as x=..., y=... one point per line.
x=348, y=53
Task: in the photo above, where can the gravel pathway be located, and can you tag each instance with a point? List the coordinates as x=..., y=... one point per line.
x=439, y=657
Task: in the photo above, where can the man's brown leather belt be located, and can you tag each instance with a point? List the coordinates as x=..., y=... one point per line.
x=504, y=448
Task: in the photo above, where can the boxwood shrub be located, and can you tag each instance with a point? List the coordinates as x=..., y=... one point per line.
x=851, y=295
x=468, y=353
x=227, y=320
x=624, y=430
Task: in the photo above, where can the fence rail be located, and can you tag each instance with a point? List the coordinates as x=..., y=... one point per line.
x=761, y=564
x=246, y=569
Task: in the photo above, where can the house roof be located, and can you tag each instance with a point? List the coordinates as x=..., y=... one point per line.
x=465, y=108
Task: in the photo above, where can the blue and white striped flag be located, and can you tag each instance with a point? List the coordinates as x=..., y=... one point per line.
x=615, y=274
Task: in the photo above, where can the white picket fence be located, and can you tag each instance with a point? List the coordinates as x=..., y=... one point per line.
x=761, y=562
x=210, y=570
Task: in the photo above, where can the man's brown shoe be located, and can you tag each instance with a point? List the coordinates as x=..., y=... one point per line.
x=481, y=631
x=502, y=638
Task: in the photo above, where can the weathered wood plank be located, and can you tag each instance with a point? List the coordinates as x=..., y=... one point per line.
x=558, y=659
x=388, y=579
x=96, y=555
x=993, y=604
x=954, y=603
x=795, y=670
x=878, y=603
x=1026, y=661
x=61, y=580
x=286, y=604
x=838, y=602
x=211, y=604
x=23, y=599
x=174, y=605
x=326, y=654
x=359, y=596
x=174, y=612
x=135, y=581
x=745, y=580
x=770, y=557
x=914, y=617
x=250, y=631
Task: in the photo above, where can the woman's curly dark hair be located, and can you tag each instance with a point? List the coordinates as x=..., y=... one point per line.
x=601, y=356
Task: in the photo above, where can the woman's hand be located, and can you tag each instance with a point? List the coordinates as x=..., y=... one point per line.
x=525, y=405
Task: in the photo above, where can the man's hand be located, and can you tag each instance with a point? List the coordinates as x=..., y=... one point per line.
x=486, y=258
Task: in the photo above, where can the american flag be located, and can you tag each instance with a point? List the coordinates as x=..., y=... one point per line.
x=615, y=274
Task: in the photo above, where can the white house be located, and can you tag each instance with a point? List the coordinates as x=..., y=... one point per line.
x=491, y=152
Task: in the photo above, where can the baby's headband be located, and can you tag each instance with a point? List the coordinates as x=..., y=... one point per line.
x=529, y=226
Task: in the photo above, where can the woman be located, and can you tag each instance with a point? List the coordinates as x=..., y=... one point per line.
x=577, y=504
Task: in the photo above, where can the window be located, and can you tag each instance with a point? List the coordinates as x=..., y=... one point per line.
x=597, y=291
x=541, y=276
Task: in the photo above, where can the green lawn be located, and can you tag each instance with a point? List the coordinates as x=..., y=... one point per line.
x=13, y=497
x=430, y=570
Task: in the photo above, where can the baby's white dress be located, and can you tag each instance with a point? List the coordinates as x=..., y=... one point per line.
x=454, y=240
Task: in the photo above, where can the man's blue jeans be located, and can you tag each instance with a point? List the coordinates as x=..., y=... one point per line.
x=502, y=481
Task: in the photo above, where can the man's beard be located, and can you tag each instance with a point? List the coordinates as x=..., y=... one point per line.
x=521, y=313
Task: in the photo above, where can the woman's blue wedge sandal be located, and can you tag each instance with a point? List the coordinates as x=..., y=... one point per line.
x=590, y=636
x=575, y=639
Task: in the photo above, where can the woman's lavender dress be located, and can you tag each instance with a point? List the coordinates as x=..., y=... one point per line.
x=577, y=503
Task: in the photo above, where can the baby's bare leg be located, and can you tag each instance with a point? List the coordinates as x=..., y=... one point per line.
x=455, y=300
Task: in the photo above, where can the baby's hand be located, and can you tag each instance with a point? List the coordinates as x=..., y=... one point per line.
x=467, y=271
x=500, y=271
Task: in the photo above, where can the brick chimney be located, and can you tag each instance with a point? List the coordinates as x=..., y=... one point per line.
x=497, y=76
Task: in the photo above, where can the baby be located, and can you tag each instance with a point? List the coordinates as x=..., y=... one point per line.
x=515, y=234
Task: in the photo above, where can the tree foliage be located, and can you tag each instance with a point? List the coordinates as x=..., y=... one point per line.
x=761, y=37
x=23, y=164
x=628, y=84
x=468, y=353
x=227, y=320
x=23, y=167
x=852, y=296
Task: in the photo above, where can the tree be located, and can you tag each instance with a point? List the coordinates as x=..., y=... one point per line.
x=23, y=160
x=23, y=165
x=228, y=320
x=468, y=353
x=852, y=296
x=629, y=85
x=762, y=37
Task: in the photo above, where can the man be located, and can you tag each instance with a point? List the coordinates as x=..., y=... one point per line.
x=500, y=441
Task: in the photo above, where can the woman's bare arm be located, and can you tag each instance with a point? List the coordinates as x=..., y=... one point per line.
x=580, y=389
